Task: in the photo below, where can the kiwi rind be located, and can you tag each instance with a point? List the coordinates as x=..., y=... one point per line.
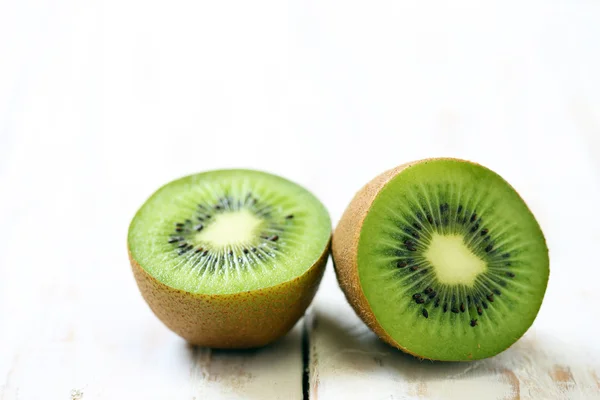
x=345, y=252
x=344, y=248
x=241, y=320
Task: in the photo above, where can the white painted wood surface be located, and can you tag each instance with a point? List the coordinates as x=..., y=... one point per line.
x=102, y=102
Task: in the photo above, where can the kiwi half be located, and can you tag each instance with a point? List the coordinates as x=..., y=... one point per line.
x=229, y=258
x=442, y=259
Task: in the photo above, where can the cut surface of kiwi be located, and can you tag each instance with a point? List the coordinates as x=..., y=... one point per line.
x=243, y=250
x=443, y=259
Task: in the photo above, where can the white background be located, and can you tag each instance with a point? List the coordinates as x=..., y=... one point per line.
x=101, y=102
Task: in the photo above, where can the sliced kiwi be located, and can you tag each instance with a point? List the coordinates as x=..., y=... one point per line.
x=442, y=259
x=229, y=258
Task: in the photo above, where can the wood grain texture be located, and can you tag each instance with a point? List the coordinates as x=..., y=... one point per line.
x=102, y=102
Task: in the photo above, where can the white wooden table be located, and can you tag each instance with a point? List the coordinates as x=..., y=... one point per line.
x=101, y=102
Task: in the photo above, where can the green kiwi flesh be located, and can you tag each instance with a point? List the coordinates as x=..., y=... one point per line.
x=229, y=231
x=451, y=261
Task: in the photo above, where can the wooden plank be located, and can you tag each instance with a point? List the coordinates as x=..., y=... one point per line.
x=71, y=316
x=89, y=130
x=515, y=91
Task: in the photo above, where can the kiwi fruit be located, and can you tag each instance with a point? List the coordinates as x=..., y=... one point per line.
x=229, y=258
x=442, y=259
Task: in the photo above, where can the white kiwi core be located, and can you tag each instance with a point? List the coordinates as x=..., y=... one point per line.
x=231, y=228
x=452, y=260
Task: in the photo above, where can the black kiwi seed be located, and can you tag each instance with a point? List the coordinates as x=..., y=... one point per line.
x=429, y=219
x=416, y=296
x=484, y=232
x=510, y=274
x=425, y=313
x=402, y=264
x=420, y=300
x=437, y=302
x=205, y=252
x=475, y=228
x=198, y=250
x=181, y=245
x=190, y=246
x=179, y=225
x=175, y=239
x=454, y=310
x=274, y=238
x=254, y=249
x=490, y=297
x=417, y=226
x=445, y=307
x=479, y=310
x=230, y=252
x=432, y=295
x=489, y=248
x=246, y=251
x=484, y=304
x=462, y=307
x=218, y=207
x=199, y=227
x=178, y=229
x=497, y=292
x=182, y=251
x=473, y=322
x=289, y=216
x=414, y=268
x=428, y=290
x=473, y=217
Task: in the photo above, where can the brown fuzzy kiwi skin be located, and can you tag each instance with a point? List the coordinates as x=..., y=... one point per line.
x=345, y=248
x=232, y=321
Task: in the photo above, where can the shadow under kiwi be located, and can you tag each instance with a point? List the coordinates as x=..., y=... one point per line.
x=353, y=346
x=249, y=372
